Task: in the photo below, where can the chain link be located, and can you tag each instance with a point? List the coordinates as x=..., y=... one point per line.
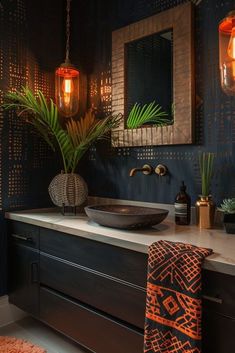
x=67, y=30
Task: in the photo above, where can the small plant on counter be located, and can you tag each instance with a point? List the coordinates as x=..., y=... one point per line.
x=206, y=161
x=151, y=113
x=228, y=206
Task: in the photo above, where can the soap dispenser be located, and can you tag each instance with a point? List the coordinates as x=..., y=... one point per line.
x=182, y=207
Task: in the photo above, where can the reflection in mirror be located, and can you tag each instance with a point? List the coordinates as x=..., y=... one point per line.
x=142, y=78
x=149, y=72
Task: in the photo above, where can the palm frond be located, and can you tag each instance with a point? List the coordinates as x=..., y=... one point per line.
x=148, y=113
x=72, y=142
x=78, y=130
x=44, y=117
x=87, y=130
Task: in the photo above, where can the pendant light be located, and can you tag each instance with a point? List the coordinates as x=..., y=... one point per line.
x=67, y=80
x=227, y=53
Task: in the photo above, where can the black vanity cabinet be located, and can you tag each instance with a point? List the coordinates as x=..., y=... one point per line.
x=218, y=329
x=95, y=293
x=23, y=266
x=92, y=292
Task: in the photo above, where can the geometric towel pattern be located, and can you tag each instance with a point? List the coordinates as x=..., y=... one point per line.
x=173, y=304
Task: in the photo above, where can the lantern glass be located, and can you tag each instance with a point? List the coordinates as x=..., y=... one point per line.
x=227, y=53
x=67, y=90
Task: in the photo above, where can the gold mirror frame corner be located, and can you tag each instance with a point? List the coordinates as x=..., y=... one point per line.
x=181, y=20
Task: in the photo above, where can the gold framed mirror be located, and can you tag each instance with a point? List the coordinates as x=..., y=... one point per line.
x=179, y=22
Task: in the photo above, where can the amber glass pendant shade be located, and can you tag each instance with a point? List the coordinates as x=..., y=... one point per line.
x=67, y=79
x=227, y=53
x=67, y=89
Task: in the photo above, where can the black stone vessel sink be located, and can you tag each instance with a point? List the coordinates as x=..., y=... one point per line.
x=125, y=216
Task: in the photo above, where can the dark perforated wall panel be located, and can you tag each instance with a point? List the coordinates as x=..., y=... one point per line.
x=106, y=169
x=30, y=46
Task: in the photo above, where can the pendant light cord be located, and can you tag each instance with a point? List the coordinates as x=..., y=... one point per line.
x=67, y=31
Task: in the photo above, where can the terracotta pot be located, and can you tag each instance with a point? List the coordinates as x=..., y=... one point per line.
x=68, y=190
x=205, y=212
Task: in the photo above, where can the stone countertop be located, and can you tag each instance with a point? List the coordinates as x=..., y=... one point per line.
x=223, y=244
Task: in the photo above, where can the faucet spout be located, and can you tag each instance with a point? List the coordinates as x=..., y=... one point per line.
x=146, y=169
x=134, y=170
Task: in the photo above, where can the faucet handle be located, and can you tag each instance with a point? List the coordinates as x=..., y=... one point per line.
x=161, y=170
x=147, y=169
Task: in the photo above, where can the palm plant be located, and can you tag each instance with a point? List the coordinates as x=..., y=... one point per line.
x=148, y=113
x=74, y=140
x=206, y=161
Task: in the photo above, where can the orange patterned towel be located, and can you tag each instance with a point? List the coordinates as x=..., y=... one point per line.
x=173, y=306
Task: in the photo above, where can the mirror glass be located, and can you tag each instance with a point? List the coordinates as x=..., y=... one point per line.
x=153, y=63
x=149, y=71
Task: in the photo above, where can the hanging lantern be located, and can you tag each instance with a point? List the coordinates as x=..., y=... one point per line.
x=67, y=80
x=227, y=53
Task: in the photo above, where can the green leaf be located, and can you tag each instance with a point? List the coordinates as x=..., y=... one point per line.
x=73, y=141
x=206, y=161
x=228, y=205
x=148, y=113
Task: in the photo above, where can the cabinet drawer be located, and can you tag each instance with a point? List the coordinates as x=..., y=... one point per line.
x=87, y=327
x=217, y=333
x=117, y=298
x=219, y=292
x=23, y=278
x=128, y=265
x=23, y=233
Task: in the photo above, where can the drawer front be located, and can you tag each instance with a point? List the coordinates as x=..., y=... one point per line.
x=219, y=292
x=218, y=333
x=92, y=330
x=23, y=233
x=23, y=278
x=128, y=265
x=109, y=295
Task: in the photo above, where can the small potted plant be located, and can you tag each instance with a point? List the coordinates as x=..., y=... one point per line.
x=67, y=189
x=228, y=208
x=205, y=207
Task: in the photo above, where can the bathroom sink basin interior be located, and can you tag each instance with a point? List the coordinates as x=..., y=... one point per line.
x=125, y=216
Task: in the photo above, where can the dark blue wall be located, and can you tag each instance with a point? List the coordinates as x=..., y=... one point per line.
x=106, y=169
x=31, y=44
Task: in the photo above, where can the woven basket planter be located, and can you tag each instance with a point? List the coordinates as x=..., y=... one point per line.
x=68, y=190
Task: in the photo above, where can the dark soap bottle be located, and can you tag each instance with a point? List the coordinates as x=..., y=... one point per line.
x=182, y=207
